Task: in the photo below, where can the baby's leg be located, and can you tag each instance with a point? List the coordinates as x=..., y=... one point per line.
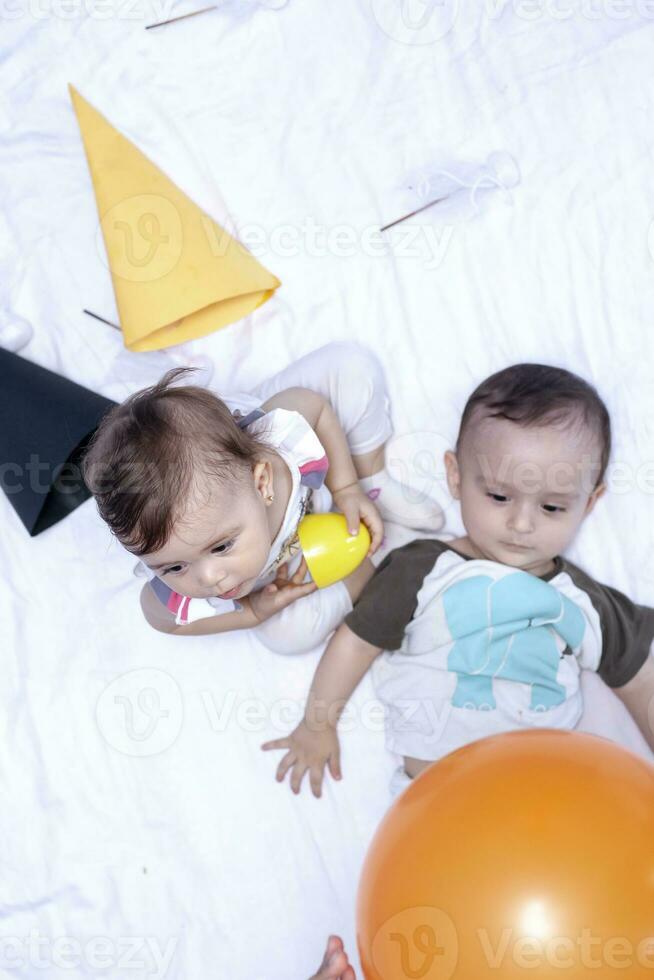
x=405, y=774
x=399, y=781
x=307, y=622
x=310, y=620
x=351, y=378
x=335, y=965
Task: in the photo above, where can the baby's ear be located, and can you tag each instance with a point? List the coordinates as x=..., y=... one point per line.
x=594, y=497
x=453, y=474
x=262, y=477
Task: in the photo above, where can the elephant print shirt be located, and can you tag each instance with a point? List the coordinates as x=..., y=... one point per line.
x=475, y=648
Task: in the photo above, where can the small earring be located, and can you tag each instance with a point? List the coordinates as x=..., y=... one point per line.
x=270, y=497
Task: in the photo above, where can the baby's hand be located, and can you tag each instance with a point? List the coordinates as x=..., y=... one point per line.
x=356, y=507
x=308, y=748
x=280, y=593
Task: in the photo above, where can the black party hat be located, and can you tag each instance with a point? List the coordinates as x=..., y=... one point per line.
x=46, y=422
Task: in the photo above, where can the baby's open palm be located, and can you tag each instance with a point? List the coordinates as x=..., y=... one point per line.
x=309, y=748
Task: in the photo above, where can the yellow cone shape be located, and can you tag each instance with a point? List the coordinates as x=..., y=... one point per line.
x=176, y=273
x=329, y=549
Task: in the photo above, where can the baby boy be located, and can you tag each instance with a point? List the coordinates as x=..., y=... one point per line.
x=489, y=632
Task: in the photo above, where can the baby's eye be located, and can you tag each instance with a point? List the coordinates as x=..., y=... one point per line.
x=498, y=497
x=220, y=549
x=553, y=509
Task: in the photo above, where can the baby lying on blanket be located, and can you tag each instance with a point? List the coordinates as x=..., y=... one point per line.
x=209, y=494
x=490, y=632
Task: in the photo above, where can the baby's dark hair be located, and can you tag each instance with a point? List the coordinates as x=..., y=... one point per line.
x=538, y=394
x=147, y=452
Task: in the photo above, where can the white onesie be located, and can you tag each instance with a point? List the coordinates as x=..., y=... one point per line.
x=475, y=648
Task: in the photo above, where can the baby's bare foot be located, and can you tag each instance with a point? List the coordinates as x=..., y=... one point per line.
x=335, y=965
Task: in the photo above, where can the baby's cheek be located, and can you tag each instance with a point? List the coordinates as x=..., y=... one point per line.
x=563, y=533
x=485, y=518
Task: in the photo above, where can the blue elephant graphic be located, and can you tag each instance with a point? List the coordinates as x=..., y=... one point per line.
x=505, y=628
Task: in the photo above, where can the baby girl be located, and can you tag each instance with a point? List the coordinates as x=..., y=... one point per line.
x=208, y=492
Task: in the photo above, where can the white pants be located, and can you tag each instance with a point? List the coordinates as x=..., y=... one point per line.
x=604, y=715
x=352, y=380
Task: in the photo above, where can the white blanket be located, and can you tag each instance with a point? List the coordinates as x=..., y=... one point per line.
x=138, y=805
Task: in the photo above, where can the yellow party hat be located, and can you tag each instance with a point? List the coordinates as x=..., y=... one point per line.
x=177, y=274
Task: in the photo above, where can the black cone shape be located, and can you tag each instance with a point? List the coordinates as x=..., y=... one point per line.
x=46, y=422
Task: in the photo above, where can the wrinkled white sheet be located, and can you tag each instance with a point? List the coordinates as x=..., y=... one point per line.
x=137, y=803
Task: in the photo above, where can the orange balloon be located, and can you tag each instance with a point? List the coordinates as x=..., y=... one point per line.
x=523, y=855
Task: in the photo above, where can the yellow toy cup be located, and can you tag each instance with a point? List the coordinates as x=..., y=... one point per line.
x=331, y=552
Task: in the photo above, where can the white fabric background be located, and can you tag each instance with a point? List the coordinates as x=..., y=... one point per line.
x=276, y=116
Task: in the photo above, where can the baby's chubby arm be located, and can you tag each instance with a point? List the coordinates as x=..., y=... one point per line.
x=314, y=743
x=257, y=607
x=162, y=620
x=342, y=479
